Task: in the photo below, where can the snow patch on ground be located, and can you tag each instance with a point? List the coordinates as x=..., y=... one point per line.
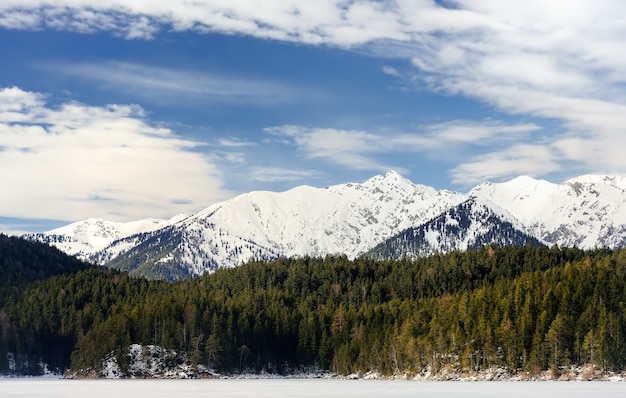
x=146, y=362
x=450, y=373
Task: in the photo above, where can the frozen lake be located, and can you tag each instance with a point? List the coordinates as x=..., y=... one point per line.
x=274, y=388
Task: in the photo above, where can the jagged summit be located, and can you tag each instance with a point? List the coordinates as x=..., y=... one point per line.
x=390, y=178
x=351, y=219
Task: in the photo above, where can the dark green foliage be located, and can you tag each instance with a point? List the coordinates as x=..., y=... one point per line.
x=520, y=307
x=22, y=261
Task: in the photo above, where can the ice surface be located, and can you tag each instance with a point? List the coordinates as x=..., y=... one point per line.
x=326, y=388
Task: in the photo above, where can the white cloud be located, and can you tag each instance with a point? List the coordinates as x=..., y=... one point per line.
x=554, y=60
x=323, y=21
x=346, y=147
x=16, y=19
x=522, y=159
x=276, y=174
x=360, y=150
x=486, y=132
x=219, y=157
x=234, y=143
x=592, y=136
x=561, y=60
x=15, y=104
x=76, y=161
x=349, y=148
x=391, y=71
x=149, y=82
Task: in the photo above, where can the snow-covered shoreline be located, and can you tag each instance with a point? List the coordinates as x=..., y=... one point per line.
x=154, y=362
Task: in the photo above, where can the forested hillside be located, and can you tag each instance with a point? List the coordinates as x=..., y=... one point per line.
x=21, y=263
x=22, y=260
x=523, y=308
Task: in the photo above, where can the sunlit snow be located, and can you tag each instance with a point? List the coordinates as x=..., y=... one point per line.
x=587, y=212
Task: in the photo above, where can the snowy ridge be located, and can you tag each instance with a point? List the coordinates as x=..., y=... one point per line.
x=471, y=224
x=587, y=211
x=343, y=219
x=86, y=238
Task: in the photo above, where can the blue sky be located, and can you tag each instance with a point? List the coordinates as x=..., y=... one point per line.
x=129, y=109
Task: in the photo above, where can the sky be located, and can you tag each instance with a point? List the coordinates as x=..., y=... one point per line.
x=128, y=109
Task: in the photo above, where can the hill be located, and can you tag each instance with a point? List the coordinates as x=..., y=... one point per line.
x=22, y=260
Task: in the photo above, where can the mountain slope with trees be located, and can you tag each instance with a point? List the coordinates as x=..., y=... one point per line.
x=522, y=308
x=469, y=225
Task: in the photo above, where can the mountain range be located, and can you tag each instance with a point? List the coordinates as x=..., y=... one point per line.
x=386, y=216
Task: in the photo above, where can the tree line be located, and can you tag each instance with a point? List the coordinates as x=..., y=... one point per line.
x=523, y=308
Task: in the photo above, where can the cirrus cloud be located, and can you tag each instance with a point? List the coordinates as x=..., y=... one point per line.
x=148, y=82
x=360, y=150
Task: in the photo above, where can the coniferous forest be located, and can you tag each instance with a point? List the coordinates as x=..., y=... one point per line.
x=527, y=308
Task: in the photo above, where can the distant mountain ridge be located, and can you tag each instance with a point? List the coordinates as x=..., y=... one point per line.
x=84, y=238
x=587, y=211
x=355, y=218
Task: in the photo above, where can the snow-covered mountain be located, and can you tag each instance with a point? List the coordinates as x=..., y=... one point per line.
x=84, y=239
x=351, y=219
x=587, y=211
x=342, y=219
x=469, y=225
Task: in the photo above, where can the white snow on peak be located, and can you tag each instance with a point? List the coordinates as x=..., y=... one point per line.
x=393, y=180
x=520, y=196
x=615, y=181
x=587, y=211
x=341, y=219
x=176, y=219
x=84, y=238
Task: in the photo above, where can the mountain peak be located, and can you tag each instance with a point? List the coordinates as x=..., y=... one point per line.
x=519, y=186
x=523, y=180
x=392, y=181
x=392, y=174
